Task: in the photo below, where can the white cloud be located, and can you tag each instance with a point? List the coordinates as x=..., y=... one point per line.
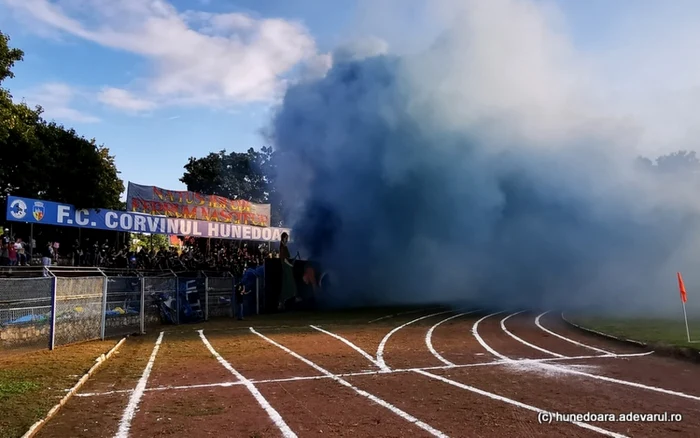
x=196, y=57
x=537, y=61
x=122, y=99
x=57, y=99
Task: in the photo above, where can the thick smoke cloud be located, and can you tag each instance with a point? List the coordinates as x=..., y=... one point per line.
x=489, y=169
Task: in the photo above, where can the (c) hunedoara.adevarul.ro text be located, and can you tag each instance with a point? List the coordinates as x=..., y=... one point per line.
x=557, y=417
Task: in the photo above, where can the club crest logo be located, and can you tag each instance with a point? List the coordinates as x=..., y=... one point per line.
x=38, y=211
x=18, y=209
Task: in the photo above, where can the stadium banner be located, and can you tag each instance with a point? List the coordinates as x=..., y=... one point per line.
x=53, y=213
x=190, y=205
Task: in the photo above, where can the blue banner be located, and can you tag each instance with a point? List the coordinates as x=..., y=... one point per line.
x=54, y=213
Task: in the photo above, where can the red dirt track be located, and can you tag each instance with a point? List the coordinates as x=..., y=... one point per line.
x=470, y=385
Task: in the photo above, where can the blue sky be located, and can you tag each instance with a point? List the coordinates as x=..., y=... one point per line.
x=158, y=81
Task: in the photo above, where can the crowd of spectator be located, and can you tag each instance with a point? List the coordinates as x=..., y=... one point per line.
x=231, y=256
x=217, y=256
x=13, y=251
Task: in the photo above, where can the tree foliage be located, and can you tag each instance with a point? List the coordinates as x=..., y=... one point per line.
x=246, y=175
x=148, y=242
x=44, y=160
x=680, y=162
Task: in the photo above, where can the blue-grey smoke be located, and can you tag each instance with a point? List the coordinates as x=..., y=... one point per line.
x=403, y=208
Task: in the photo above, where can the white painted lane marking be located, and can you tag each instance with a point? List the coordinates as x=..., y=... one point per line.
x=515, y=403
x=130, y=411
x=429, y=338
x=350, y=344
x=406, y=416
x=491, y=395
x=524, y=342
x=382, y=344
x=364, y=373
x=580, y=344
x=581, y=373
x=475, y=333
x=262, y=401
x=408, y=312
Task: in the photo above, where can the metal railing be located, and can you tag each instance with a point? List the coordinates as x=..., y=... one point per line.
x=54, y=306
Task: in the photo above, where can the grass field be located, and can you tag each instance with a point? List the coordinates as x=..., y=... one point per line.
x=651, y=331
x=31, y=383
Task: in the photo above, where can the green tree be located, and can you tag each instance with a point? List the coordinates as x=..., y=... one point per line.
x=680, y=162
x=44, y=160
x=246, y=175
x=77, y=170
x=148, y=242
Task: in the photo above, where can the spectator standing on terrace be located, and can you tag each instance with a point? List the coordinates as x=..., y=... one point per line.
x=77, y=253
x=21, y=252
x=248, y=285
x=289, y=288
x=47, y=257
x=12, y=253
x=4, y=253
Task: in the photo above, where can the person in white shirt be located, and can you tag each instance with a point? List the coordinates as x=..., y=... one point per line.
x=21, y=254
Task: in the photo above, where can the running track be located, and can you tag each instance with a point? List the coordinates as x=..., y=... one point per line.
x=433, y=373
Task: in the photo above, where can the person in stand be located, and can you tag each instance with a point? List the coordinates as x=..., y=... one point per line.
x=12, y=253
x=4, y=253
x=47, y=257
x=246, y=286
x=289, y=288
x=239, y=300
x=21, y=252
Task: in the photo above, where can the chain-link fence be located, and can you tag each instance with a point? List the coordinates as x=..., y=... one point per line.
x=57, y=310
x=220, y=297
x=25, y=312
x=79, y=314
x=160, y=300
x=123, y=310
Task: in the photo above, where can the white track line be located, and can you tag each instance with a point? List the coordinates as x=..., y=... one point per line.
x=408, y=312
x=350, y=344
x=492, y=395
x=130, y=411
x=382, y=344
x=363, y=373
x=271, y=412
x=475, y=333
x=429, y=338
x=514, y=402
x=580, y=344
x=406, y=416
x=524, y=342
x=581, y=373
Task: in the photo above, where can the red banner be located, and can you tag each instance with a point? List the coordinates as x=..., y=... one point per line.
x=190, y=205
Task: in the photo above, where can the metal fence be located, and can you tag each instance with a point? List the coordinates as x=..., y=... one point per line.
x=81, y=305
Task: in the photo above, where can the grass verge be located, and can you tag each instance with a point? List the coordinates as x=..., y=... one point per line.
x=649, y=331
x=32, y=383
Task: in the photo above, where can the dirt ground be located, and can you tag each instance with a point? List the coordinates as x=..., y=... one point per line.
x=406, y=375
